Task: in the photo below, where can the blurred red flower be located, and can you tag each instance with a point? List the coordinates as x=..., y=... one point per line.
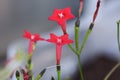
x=59, y=41
x=61, y=16
x=33, y=39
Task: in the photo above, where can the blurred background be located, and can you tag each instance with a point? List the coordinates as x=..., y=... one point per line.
x=17, y=15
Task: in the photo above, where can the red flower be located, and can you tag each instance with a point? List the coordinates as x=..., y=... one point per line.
x=59, y=41
x=33, y=39
x=61, y=16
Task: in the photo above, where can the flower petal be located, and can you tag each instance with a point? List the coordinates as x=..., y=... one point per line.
x=66, y=40
x=37, y=37
x=53, y=38
x=27, y=34
x=67, y=10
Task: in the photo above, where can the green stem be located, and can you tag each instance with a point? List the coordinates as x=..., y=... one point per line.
x=118, y=34
x=113, y=69
x=77, y=38
x=72, y=48
x=30, y=68
x=86, y=37
x=29, y=64
x=58, y=72
x=80, y=69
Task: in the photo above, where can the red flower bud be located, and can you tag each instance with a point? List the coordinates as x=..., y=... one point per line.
x=96, y=11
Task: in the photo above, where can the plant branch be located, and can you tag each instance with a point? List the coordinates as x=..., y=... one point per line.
x=86, y=37
x=113, y=70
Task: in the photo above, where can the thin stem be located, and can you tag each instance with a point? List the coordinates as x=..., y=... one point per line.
x=72, y=48
x=30, y=68
x=86, y=37
x=80, y=69
x=29, y=64
x=85, y=40
x=59, y=72
x=77, y=38
x=31, y=49
x=113, y=69
x=118, y=34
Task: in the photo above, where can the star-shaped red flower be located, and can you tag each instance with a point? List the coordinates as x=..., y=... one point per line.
x=33, y=39
x=61, y=16
x=59, y=41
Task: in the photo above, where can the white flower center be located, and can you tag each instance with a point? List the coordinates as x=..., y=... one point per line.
x=61, y=15
x=59, y=40
x=32, y=37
